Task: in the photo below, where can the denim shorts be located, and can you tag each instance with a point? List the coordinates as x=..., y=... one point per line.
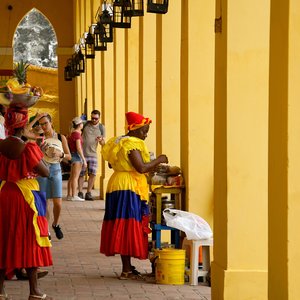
x=52, y=185
x=76, y=158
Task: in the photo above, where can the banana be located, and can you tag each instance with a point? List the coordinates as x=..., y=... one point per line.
x=13, y=83
x=21, y=90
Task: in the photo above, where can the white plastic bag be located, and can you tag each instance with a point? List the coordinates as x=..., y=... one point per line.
x=194, y=226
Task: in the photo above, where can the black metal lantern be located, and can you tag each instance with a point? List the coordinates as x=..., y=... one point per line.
x=106, y=20
x=158, y=6
x=80, y=62
x=137, y=8
x=74, y=65
x=89, y=46
x=121, y=14
x=67, y=75
x=99, y=35
x=68, y=72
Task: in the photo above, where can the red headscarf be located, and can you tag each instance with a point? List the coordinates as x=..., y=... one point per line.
x=15, y=117
x=136, y=121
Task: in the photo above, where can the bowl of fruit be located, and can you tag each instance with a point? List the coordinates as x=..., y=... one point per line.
x=16, y=91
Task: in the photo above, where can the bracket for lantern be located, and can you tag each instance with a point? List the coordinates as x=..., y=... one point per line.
x=157, y=6
x=121, y=14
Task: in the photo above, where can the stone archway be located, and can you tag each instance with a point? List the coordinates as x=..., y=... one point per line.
x=35, y=41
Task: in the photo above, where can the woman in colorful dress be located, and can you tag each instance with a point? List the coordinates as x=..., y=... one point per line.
x=125, y=227
x=23, y=225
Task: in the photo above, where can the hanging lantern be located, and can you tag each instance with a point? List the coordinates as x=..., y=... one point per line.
x=80, y=61
x=74, y=63
x=68, y=72
x=89, y=46
x=137, y=8
x=106, y=20
x=67, y=75
x=99, y=34
x=158, y=6
x=121, y=14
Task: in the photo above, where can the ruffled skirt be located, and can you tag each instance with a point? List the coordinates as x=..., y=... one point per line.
x=18, y=235
x=125, y=226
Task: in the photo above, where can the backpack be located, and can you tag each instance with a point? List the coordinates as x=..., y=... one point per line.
x=101, y=128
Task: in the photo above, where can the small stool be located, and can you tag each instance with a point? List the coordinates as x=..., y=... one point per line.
x=194, y=271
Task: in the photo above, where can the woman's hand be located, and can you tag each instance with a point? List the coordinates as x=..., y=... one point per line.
x=84, y=163
x=163, y=159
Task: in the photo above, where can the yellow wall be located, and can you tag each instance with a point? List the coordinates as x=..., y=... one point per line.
x=46, y=78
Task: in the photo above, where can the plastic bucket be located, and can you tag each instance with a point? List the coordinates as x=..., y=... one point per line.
x=169, y=266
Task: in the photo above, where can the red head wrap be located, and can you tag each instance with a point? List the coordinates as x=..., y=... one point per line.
x=15, y=117
x=136, y=121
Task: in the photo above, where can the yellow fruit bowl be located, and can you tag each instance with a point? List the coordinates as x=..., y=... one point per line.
x=19, y=100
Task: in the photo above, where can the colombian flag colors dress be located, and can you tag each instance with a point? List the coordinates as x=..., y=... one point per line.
x=23, y=225
x=125, y=227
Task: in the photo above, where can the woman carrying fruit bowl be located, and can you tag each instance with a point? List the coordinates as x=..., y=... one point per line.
x=21, y=206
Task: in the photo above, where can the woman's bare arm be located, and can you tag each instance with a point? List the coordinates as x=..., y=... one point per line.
x=136, y=160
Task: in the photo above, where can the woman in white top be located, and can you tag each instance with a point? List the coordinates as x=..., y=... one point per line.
x=55, y=149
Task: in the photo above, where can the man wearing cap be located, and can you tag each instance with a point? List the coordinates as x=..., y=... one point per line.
x=93, y=133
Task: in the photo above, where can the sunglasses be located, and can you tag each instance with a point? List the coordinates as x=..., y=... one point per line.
x=95, y=119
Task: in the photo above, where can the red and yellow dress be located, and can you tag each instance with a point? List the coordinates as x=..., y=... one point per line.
x=24, y=239
x=125, y=226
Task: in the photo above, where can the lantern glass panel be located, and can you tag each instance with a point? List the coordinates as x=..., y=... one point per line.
x=120, y=20
x=137, y=8
x=108, y=33
x=157, y=6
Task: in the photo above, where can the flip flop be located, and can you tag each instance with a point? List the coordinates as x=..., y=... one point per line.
x=131, y=275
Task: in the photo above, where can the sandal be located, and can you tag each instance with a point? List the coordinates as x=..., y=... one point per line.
x=21, y=274
x=131, y=275
x=44, y=296
x=135, y=271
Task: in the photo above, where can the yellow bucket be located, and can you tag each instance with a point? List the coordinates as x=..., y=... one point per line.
x=169, y=266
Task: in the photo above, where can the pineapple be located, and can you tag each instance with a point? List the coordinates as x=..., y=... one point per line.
x=20, y=71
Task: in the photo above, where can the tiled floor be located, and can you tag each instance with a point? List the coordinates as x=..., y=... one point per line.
x=80, y=272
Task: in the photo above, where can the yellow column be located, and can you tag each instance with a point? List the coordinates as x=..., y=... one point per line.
x=170, y=83
x=148, y=77
x=284, y=160
x=239, y=269
x=197, y=105
x=108, y=108
x=132, y=63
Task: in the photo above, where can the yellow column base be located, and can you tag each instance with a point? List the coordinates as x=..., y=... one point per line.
x=238, y=284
